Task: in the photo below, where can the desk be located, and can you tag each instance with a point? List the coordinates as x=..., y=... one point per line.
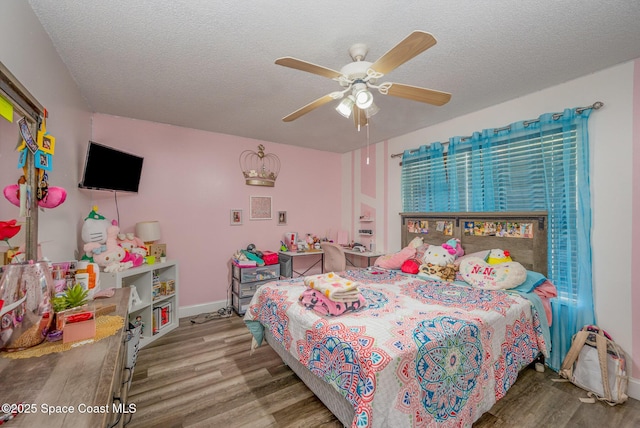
x=85, y=377
x=352, y=255
x=287, y=268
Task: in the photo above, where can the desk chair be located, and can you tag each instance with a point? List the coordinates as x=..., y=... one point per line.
x=334, y=258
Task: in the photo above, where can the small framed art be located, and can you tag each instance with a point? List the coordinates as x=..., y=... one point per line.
x=282, y=218
x=260, y=208
x=47, y=143
x=236, y=217
x=43, y=160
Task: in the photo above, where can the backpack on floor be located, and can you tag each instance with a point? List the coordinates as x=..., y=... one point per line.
x=596, y=364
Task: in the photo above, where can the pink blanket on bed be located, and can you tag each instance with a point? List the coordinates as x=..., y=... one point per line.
x=315, y=300
x=546, y=291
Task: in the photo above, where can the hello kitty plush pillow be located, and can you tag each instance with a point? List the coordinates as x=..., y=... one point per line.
x=438, y=255
x=481, y=274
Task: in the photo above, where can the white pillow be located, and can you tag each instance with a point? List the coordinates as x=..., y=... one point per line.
x=481, y=274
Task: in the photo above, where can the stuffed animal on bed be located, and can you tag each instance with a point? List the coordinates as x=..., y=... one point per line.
x=497, y=256
x=453, y=247
x=435, y=259
x=445, y=273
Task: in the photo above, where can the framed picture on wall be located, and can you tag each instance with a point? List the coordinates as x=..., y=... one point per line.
x=236, y=217
x=282, y=218
x=260, y=208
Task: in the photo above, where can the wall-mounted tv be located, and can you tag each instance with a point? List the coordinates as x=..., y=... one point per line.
x=106, y=168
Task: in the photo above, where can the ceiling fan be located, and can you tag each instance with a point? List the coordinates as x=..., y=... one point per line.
x=359, y=76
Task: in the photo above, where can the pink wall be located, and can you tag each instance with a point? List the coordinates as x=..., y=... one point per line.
x=191, y=180
x=635, y=249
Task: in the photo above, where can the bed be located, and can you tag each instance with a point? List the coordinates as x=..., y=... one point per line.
x=421, y=352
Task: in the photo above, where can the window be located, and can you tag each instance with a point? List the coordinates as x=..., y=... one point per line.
x=539, y=165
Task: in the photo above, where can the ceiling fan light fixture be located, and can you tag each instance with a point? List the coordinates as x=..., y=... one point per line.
x=371, y=110
x=346, y=106
x=364, y=98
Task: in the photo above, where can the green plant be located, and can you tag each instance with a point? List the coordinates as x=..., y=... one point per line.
x=72, y=297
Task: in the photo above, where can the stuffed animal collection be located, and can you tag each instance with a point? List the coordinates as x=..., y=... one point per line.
x=105, y=246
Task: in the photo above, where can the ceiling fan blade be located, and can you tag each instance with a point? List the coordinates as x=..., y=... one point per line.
x=311, y=106
x=359, y=117
x=414, y=44
x=298, y=64
x=416, y=93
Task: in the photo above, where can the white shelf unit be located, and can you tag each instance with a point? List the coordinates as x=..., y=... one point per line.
x=142, y=278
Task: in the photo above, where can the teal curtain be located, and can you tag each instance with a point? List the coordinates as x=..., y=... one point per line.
x=534, y=165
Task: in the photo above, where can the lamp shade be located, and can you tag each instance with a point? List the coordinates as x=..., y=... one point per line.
x=148, y=231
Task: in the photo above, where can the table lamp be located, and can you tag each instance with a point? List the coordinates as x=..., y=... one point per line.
x=148, y=231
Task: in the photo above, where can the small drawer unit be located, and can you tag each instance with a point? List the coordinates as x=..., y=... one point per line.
x=246, y=281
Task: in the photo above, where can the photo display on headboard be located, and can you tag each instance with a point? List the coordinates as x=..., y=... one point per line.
x=500, y=229
x=523, y=234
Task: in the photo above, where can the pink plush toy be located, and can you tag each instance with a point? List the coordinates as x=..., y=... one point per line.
x=453, y=247
x=112, y=259
x=129, y=241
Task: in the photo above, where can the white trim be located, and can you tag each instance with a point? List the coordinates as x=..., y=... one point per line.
x=205, y=308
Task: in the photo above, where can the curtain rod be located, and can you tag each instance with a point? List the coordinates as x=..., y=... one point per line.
x=595, y=106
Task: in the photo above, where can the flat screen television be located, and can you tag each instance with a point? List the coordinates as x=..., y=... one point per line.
x=106, y=168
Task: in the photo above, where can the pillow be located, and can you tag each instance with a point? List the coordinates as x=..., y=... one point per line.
x=411, y=266
x=419, y=245
x=478, y=254
x=479, y=273
x=534, y=279
x=394, y=261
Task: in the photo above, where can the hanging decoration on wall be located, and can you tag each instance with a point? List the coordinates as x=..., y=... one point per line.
x=43, y=149
x=258, y=168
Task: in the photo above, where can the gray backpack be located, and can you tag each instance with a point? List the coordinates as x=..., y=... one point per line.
x=596, y=364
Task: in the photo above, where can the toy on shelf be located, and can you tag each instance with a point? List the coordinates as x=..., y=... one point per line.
x=94, y=234
x=112, y=258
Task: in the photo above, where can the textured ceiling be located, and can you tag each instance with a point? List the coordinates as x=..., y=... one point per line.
x=209, y=65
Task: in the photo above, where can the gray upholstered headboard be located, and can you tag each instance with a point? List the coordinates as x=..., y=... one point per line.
x=525, y=237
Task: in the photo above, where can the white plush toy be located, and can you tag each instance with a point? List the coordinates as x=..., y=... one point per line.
x=437, y=263
x=438, y=255
x=94, y=234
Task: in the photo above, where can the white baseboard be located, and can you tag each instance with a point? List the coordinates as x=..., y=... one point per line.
x=205, y=308
x=633, y=390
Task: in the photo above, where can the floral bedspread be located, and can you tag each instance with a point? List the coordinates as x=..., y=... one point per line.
x=419, y=353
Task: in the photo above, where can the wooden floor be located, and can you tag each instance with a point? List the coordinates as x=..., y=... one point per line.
x=201, y=375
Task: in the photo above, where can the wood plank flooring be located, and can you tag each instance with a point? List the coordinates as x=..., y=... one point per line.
x=202, y=375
